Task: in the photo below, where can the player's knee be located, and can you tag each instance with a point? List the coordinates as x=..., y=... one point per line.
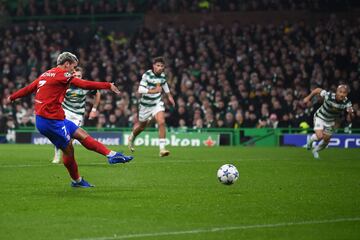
x=327, y=138
x=319, y=136
x=160, y=121
x=69, y=150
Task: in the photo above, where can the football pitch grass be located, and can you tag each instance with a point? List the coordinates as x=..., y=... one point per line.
x=282, y=193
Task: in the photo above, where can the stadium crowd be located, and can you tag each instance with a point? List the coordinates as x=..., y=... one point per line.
x=77, y=7
x=252, y=76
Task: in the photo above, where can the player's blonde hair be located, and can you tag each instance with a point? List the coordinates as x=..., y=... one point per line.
x=66, y=57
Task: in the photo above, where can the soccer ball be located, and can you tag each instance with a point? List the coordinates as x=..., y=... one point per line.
x=227, y=174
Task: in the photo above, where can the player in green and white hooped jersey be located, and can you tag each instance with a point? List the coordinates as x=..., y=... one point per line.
x=150, y=105
x=74, y=106
x=326, y=116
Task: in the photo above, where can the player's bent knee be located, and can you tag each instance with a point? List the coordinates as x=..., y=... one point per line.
x=80, y=134
x=327, y=138
x=161, y=123
x=68, y=150
x=319, y=135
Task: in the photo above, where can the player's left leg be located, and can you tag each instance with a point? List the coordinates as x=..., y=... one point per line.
x=144, y=117
x=327, y=132
x=323, y=143
x=160, y=120
x=90, y=143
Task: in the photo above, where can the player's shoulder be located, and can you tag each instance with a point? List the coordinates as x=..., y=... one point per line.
x=62, y=74
x=149, y=73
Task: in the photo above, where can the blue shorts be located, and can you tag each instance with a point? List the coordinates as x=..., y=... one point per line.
x=59, y=132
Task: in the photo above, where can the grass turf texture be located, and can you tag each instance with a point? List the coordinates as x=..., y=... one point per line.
x=179, y=197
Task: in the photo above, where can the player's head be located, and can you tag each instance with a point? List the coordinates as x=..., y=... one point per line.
x=341, y=92
x=158, y=65
x=78, y=73
x=68, y=61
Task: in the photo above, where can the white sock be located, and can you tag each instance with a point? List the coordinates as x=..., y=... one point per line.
x=78, y=180
x=321, y=146
x=57, y=153
x=132, y=136
x=112, y=153
x=313, y=137
x=162, y=142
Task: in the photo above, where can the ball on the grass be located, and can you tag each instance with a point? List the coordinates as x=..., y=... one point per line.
x=228, y=174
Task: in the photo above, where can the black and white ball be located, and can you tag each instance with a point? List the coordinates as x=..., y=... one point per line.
x=228, y=174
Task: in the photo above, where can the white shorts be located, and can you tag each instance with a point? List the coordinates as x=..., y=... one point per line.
x=147, y=113
x=327, y=127
x=75, y=118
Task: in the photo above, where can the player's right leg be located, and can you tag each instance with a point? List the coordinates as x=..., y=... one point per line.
x=58, y=134
x=145, y=116
x=138, y=128
x=318, y=135
x=160, y=119
x=71, y=166
x=78, y=119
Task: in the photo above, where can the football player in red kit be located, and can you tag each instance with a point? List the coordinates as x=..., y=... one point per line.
x=50, y=89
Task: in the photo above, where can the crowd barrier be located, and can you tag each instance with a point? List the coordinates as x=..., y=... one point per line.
x=210, y=137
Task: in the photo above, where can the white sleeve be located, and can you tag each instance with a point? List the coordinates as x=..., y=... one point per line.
x=143, y=81
x=143, y=89
x=323, y=93
x=165, y=86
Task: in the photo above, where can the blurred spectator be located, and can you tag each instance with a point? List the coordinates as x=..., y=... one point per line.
x=69, y=7
x=221, y=76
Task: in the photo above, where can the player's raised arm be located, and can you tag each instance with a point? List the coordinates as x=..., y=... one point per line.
x=24, y=91
x=313, y=93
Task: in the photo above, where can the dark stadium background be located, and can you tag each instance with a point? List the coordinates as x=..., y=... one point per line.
x=230, y=64
x=238, y=70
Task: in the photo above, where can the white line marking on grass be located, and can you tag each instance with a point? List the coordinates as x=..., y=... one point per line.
x=24, y=165
x=221, y=229
x=139, y=162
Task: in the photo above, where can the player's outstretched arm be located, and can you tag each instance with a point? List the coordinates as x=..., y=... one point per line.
x=90, y=84
x=94, y=85
x=114, y=89
x=24, y=91
x=313, y=93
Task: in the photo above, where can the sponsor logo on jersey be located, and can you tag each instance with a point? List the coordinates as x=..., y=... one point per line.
x=67, y=74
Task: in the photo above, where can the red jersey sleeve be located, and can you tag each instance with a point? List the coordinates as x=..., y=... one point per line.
x=89, y=84
x=25, y=91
